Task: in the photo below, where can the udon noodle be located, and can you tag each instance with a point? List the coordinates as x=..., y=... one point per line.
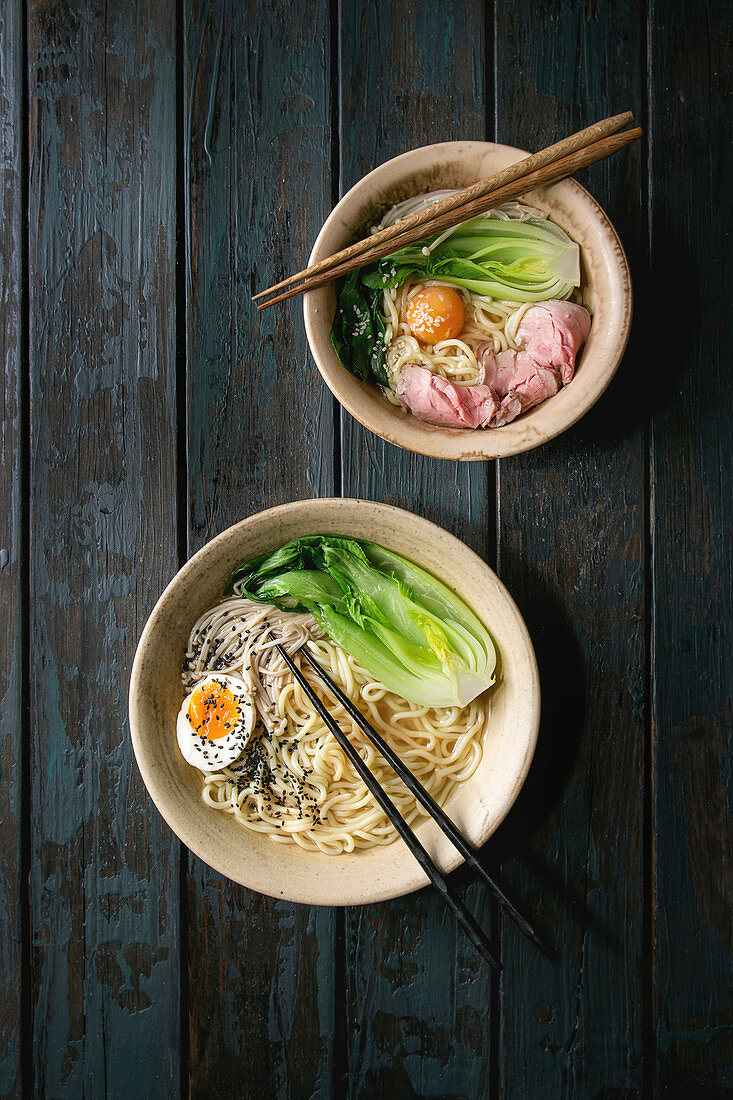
x=487, y=319
x=293, y=782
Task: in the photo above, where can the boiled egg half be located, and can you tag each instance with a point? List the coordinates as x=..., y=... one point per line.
x=215, y=723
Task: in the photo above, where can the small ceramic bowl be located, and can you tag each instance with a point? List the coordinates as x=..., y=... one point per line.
x=283, y=870
x=606, y=293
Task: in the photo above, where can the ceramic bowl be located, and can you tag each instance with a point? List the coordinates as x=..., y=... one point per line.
x=606, y=293
x=284, y=871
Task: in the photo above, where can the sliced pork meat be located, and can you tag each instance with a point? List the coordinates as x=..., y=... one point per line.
x=511, y=382
x=509, y=408
x=516, y=372
x=553, y=333
x=433, y=398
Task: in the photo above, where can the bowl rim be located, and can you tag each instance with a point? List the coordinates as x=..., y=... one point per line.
x=176, y=819
x=462, y=444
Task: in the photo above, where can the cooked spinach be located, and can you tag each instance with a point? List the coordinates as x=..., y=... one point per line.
x=358, y=330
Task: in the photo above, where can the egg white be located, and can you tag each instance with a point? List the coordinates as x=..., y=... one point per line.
x=208, y=755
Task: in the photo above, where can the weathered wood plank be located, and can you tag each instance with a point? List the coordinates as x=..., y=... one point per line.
x=692, y=473
x=104, y=877
x=571, y=549
x=260, y=433
x=11, y=546
x=418, y=997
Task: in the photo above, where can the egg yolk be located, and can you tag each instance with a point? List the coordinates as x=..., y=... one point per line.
x=213, y=711
x=435, y=313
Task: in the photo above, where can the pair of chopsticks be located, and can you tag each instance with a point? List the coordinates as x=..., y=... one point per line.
x=547, y=166
x=473, y=930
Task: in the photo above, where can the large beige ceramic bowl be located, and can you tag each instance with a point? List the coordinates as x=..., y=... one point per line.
x=285, y=871
x=606, y=293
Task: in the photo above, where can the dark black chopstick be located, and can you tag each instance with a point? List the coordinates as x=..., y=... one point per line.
x=425, y=799
x=472, y=929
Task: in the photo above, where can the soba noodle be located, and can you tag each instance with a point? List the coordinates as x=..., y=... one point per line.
x=294, y=783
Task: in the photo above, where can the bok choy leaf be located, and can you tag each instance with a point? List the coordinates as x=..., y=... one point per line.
x=517, y=261
x=405, y=627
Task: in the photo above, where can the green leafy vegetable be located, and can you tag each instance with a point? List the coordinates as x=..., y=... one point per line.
x=358, y=330
x=404, y=626
x=517, y=261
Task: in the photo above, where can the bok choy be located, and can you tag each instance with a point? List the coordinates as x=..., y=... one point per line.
x=401, y=624
x=517, y=261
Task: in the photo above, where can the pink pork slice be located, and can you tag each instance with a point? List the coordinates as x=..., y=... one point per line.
x=513, y=381
x=553, y=333
x=433, y=398
x=517, y=373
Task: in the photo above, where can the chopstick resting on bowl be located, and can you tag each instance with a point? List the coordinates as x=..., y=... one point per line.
x=464, y=917
x=547, y=166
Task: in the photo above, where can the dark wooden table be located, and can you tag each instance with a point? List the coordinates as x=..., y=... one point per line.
x=158, y=166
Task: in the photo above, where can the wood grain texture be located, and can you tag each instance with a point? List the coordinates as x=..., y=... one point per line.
x=11, y=546
x=260, y=432
x=409, y=77
x=613, y=540
x=104, y=896
x=418, y=997
x=692, y=473
x=571, y=550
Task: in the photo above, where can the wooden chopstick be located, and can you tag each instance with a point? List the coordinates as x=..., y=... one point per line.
x=426, y=799
x=520, y=168
x=551, y=173
x=472, y=929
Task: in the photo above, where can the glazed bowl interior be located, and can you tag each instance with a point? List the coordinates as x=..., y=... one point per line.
x=282, y=870
x=606, y=293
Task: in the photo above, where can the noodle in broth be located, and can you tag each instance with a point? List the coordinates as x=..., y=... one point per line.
x=294, y=782
x=487, y=320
